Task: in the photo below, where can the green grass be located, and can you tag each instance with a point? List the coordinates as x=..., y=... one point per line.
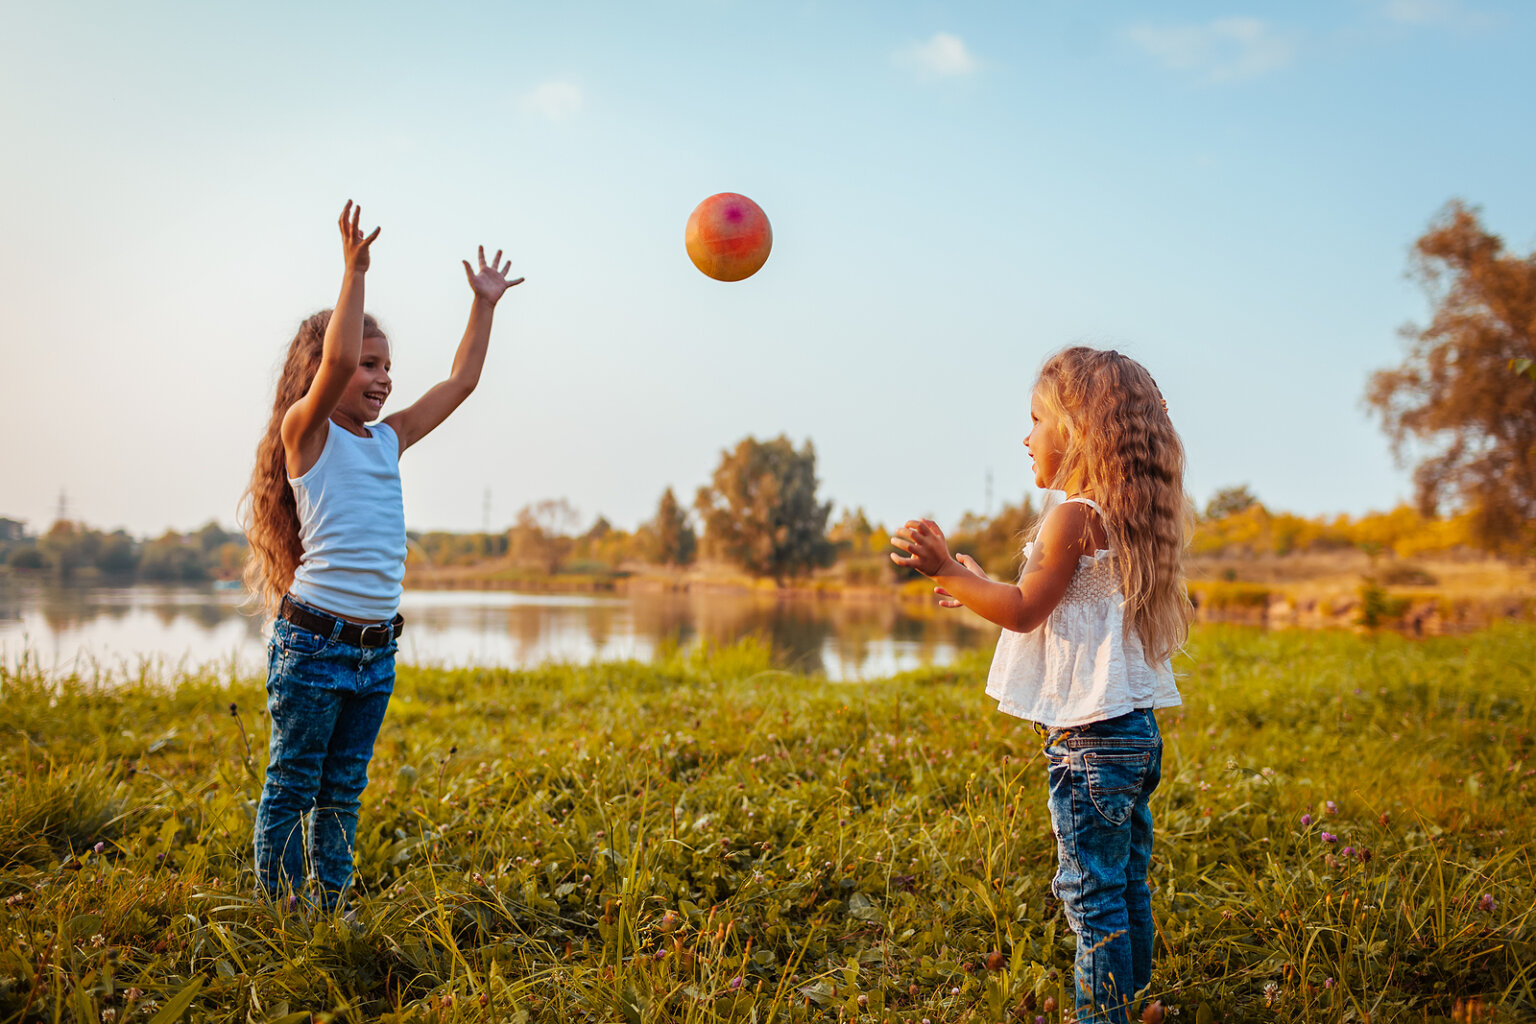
x=706, y=839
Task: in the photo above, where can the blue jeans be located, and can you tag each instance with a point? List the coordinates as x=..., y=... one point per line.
x=327, y=701
x=1102, y=776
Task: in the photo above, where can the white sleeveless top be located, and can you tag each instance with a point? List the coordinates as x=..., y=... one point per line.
x=1080, y=665
x=352, y=526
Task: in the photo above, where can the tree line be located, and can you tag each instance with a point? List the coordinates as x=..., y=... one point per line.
x=69, y=550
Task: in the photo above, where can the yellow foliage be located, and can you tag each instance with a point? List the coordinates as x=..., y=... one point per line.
x=1402, y=531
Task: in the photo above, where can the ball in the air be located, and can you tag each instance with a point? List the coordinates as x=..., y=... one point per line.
x=728, y=237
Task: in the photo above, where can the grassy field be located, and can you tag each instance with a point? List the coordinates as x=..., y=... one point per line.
x=1346, y=833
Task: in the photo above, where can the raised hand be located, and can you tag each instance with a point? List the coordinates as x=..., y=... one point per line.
x=491, y=281
x=353, y=245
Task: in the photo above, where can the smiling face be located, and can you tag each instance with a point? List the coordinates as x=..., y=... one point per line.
x=369, y=387
x=1047, y=441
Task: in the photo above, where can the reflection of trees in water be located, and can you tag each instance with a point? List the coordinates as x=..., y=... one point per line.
x=66, y=608
x=799, y=630
x=665, y=619
x=799, y=636
x=599, y=622
x=849, y=636
x=10, y=602
x=527, y=625
x=862, y=628
x=793, y=629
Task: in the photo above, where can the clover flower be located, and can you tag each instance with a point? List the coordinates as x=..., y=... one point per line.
x=1487, y=904
x=1329, y=837
x=1306, y=819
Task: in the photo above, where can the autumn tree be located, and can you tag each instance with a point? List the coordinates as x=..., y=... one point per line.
x=760, y=509
x=670, y=539
x=1454, y=401
x=996, y=542
x=541, y=535
x=1229, y=500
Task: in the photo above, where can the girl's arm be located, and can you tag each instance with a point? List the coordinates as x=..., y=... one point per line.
x=421, y=417
x=303, y=428
x=1020, y=607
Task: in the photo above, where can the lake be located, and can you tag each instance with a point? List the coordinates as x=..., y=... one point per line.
x=128, y=630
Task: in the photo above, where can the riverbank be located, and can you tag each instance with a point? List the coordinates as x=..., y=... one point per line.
x=1345, y=825
x=1342, y=589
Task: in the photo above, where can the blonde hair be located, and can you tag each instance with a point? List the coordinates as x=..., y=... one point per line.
x=1121, y=446
x=268, y=512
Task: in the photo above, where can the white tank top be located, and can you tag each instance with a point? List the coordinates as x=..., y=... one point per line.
x=1080, y=665
x=352, y=526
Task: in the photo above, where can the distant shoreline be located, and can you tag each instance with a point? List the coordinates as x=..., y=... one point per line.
x=1426, y=596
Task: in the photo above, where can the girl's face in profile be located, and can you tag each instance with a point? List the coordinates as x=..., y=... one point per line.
x=1046, y=441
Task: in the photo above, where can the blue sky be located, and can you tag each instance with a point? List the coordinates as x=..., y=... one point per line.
x=1226, y=192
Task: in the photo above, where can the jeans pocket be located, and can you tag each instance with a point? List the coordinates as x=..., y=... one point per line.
x=1115, y=782
x=302, y=641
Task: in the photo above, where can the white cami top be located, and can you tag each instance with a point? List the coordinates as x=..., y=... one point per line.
x=352, y=526
x=1081, y=665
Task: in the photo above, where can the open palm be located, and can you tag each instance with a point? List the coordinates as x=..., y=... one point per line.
x=490, y=282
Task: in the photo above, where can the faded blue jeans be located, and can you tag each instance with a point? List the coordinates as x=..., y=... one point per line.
x=327, y=701
x=1102, y=776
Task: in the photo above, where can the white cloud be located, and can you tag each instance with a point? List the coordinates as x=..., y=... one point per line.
x=553, y=101
x=1434, y=12
x=1223, y=50
x=944, y=55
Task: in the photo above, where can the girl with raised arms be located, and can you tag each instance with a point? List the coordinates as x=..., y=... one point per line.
x=1089, y=629
x=326, y=524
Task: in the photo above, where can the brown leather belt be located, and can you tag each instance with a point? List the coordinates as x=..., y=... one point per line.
x=378, y=634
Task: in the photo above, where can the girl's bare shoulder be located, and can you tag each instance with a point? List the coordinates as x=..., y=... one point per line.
x=1075, y=526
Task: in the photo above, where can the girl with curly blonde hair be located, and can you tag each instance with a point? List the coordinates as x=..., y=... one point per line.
x=327, y=529
x=1089, y=629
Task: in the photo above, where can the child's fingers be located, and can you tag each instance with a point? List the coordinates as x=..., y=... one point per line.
x=497, y=262
x=482, y=257
x=468, y=271
x=370, y=238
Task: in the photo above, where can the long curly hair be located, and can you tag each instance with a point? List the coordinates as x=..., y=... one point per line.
x=268, y=511
x=1121, y=446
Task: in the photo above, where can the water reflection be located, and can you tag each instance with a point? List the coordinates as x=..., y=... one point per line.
x=76, y=628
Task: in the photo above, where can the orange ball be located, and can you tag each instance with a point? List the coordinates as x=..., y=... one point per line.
x=728, y=237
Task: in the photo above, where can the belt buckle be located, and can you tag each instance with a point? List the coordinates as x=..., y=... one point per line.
x=385, y=632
